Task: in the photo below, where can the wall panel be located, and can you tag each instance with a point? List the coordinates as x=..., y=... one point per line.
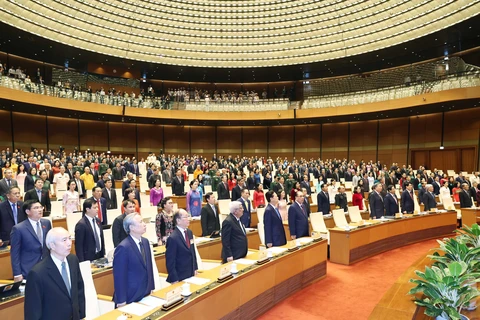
x=393, y=141
x=62, y=132
x=255, y=141
x=123, y=138
x=229, y=141
x=5, y=130
x=425, y=131
x=280, y=141
x=363, y=140
x=150, y=139
x=94, y=135
x=203, y=140
x=177, y=140
x=307, y=141
x=29, y=131
x=335, y=140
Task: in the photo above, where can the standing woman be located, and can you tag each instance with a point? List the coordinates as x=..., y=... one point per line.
x=294, y=190
x=30, y=179
x=7, y=166
x=156, y=193
x=14, y=166
x=282, y=204
x=357, y=198
x=56, y=167
x=71, y=199
x=200, y=187
x=256, y=176
x=164, y=220
x=46, y=183
x=21, y=174
x=258, y=197
x=444, y=191
x=318, y=187
x=130, y=192
x=456, y=192
x=232, y=182
x=194, y=202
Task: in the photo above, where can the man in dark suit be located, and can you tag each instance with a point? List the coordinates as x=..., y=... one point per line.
x=272, y=222
x=391, y=202
x=421, y=191
x=89, y=241
x=127, y=183
x=52, y=292
x=38, y=194
x=133, y=186
x=11, y=213
x=237, y=190
x=101, y=182
x=222, y=189
x=298, y=218
x=323, y=200
x=306, y=202
x=80, y=188
x=132, y=264
x=341, y=199
x=118, y=232
x=408, y=206
x=178, y=184
x=180, y=254
x=429, y=201
x=306, y=184
x=109, y=195
x=247, y=208
x=209, y=216
x=436, y=185
x=234, y=235
x=27, y=240
x=377, y=209
x=280, y=185
x=7, y=182
x=101, y=205
x=465, y=198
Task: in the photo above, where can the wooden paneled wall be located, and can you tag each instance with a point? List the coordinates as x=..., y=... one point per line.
x=414, y=140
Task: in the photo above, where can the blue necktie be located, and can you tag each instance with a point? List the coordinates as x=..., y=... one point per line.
x=278, y=213
x=15, y=213
x=65, y=277
x=39, y=194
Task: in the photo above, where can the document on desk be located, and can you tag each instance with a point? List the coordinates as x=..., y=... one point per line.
x=246, y=262
x=305, y=240
x=202, y=239
x=152, y=301
x=137, y=309
x=277, y=250
x=197, y=280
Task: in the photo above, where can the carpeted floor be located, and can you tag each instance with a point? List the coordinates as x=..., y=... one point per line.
x=350, y=292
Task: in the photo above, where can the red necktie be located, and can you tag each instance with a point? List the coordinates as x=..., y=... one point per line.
x=100, y=216
x=187, y=240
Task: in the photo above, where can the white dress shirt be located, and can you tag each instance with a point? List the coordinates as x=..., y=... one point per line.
x=58, y=263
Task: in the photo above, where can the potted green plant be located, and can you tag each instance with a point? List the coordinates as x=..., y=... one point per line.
x=445, y=290
x=470, y=235
x=456, y=249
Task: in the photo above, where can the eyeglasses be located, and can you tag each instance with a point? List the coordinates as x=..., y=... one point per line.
x=38, y=207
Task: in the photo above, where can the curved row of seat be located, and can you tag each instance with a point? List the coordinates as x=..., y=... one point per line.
x=243, y=107
x=183, y=33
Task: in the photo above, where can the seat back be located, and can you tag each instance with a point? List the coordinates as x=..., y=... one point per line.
x=151, y=233
x=208, y=189
x=91, y=303
x=261, y=232
x=72, y=219
x=354, y=213
x=348, y=185
x=112, y=214
x=448, y=203
x=57, y=209
x=223, y=206
x=318, y=223
x=149, y=212
x=108, y=237
x=339, y=218
x=260, y=214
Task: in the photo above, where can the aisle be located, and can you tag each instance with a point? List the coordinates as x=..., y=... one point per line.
x=349, y=292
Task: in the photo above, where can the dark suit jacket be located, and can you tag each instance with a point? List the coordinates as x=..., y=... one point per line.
x=210, y=221
x=341, y=201
x=125, y=186
x=46, y=296
x=132, y=277
x=273, y=226
x=234, y=241
x=222, y=191
x=465, y=199
x=29, y=183
x=376, y=205
x=118, y=233
x=247, y=212
x=26, y=250
x=180, y=259
x=391, y=206
x=323, y=203
x=421, y=194
x=429, y=201
x=236, y=192
x=45, y=199
x=306, y=185
x=6, y=218
x=111, y=202
x=407, y=202
x=177, y=186
x=297, y=221
x=101, y=183
x=85, y=240
x=103, y=205
x=436, y=187
x=84, y=192
x=4, y=188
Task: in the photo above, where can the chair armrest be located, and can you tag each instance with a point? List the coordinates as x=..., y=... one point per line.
x=104, y=297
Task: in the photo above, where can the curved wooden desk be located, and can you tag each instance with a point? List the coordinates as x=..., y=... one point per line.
x=347, y=247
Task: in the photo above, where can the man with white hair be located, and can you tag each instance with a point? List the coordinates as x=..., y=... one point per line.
x=234, y=235
x=429, y=198
x=55, y=288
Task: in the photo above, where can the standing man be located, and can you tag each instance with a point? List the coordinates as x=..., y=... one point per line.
x=101, y=205
x=234, y=235
x=80, y=188
x=298, y=218
x=272, y=222
x=247, y=208
x=222, y=189
x=89, y=241
x=118, y=232
x=132, y=264
x=391, y=202
x=28, y=240
x=11, y=213
x=306, y=184
x=323, y=200
x=376, y=202
x=465, y=198
x=55, y=288
x=180, y=250
x=341, y=199
x=109, y=195
x=178, y=184
x=237, y=190
x=167, y=174
x=209, y=216
x=60, y=180
x=38, y=194
x=429, y=199
x=7, y=182
x=407, y=204
x=154, y=177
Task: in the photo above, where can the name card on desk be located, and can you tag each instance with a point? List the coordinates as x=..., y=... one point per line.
x=173, y=296
x=224, y=272
x=262, y=255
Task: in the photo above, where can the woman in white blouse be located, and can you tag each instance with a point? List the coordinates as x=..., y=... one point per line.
x=444, y=192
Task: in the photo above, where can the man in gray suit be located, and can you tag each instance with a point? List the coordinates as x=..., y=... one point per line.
x=6, y=183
